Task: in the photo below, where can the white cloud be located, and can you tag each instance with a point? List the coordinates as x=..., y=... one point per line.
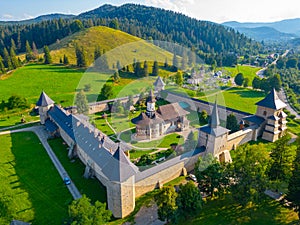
x=27, y=16
x=7, y=16
x=175, y=5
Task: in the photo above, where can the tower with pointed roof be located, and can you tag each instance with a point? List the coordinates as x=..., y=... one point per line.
x=159, y=84
x=151, y=104
x=44, y=104
x=271, y=109
x=120, y=190
x=213, y=136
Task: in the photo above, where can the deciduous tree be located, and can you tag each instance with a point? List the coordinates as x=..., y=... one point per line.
x=239, y=79
x=47, y=56
x=81, y=103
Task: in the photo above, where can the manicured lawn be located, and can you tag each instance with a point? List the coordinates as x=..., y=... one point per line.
x=226, y=212
x=248, y=71
x=242, y=99
x=134, y=154
x=92, y=188
x=31, y=189
x=165, y=142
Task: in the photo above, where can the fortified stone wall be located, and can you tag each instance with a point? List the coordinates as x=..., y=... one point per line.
x=153, y=178
x=241, y=137
x=103, y=106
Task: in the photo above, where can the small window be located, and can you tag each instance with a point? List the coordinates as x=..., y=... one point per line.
x=265, y=113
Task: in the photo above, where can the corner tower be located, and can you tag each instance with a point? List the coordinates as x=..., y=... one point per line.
x=271, y=109
x=44, y=104
x=151, y=104
x=213, y=136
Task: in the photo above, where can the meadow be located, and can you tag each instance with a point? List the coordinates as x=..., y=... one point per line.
x=31, y=189
x=248, y=71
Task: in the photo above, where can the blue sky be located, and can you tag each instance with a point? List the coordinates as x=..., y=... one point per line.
x=212, y=10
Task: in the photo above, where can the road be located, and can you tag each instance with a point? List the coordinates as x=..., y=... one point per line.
x=42, y=135
x=283, y=97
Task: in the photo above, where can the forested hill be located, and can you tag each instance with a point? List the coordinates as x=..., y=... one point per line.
x=160, y=24
x=209, y=40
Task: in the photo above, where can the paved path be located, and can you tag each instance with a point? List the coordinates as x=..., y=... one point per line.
x=19, y=125
x=283, y=97
x=43, y=136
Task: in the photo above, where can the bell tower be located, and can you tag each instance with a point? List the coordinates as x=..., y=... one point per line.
x=151, y=104
x=44, y=104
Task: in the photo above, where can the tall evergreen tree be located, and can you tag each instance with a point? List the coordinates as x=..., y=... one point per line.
x=138, y=69
x=7, y=60
x=146, y=69
x=116, y=77
x=2, y=67
x=294, y=182
x=47, y=56
x=281, y=160
x=80, y=56
x=81, y=103
x=35, y=52
x=155, y=69
x=13, y=44
x=232, y=123
x=29, y=54
x=184, y=60
x=14, y=60
x=66, y=60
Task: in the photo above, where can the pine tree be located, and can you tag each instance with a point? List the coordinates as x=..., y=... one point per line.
x=155, y=69
x=35, y=52
x=80, y=56
x=14, y=60
x=294, y=183
x=175, y=60
x=7, y=60
x=2, y=68
x=81, y=103
x=116, y=77
x=13, y=44
x=145, y=69
x=137, y=69
x=47, y=56
x=66, y=60
x=281, y=160
x=119, y=67
x=184, y=60
x=29, y=53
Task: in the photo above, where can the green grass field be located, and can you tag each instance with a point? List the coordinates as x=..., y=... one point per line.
x=242, y=99
x=31, y=189
x=226, y=212
x=118, y=45
x=248, y=71
x=92, y=188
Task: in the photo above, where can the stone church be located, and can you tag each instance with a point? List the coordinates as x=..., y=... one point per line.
x=156, y=123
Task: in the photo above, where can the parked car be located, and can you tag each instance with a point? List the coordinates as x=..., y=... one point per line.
x=67, y=181
x=192, y=177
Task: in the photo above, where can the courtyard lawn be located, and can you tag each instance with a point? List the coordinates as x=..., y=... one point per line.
x=164, y=142
x=224, y=211
x=92, y=188
x=242, y=99
x=31, y=189
x=135, y=154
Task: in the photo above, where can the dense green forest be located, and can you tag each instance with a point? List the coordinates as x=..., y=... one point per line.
x=209, y=40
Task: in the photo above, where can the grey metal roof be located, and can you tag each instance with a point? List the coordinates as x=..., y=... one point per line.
x=214, y=120
x=272, y=101
x=144, y=120
x=254, y=119
x=151, y=97
x=44, y=100
x=119, y=168
x=99, y=147
x=215, y=131
x=50, y=126
x=159, y=82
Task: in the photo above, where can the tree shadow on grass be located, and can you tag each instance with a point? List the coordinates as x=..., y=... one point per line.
x=248, y=93
x=226, y=212
x=45, y=194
